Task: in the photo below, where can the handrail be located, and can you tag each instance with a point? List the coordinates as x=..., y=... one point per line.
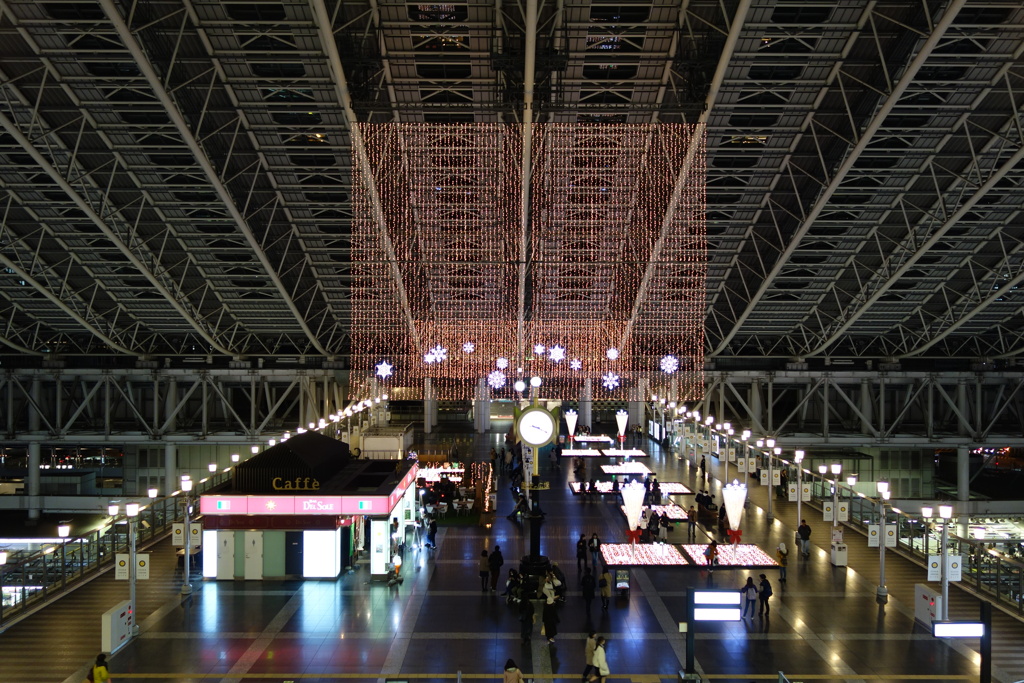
x=57, y=568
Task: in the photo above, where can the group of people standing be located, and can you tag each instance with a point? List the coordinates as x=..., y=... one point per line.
x=490, y=568
x=752, y=594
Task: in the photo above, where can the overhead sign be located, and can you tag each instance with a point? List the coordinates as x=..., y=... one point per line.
x=121, y=562
x=954, y=567
x=142, y=566
x=890, y=535
x=958, y=629
x=716, y=605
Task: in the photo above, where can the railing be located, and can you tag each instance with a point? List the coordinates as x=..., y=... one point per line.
x=28, y=580
x=986, y=571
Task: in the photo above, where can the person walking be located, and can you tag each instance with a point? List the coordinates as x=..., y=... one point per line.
x=764, y=592
x=549, y=617
x=595, y=550
x=100, y=673
x=588, y=655
x=512, y=673
x=604, y=584
x=803, y=532
x=587, y=585
x=494, y=563
x=527, y=615
x=749, y=592
x=600, y=661
x=782, y=555
x=711, y=555
x=663, y=527
x=485, y=570
x=432, y=533
x=581, y=553
x=691, y=524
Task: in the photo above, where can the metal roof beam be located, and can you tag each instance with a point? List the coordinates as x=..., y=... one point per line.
x=182, y=126
x=847, y=165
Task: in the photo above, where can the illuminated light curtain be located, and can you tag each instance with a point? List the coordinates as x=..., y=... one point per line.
x=601, y=196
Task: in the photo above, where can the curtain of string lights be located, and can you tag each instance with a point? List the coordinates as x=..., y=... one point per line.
x=616, y=258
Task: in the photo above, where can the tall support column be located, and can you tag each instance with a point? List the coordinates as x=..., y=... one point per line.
x=170, y=404
x=963, y=426
x=170, y=469
x=755, y=405
x=866, y=406
x=36, y=392
x=34, y=461
x=636, y=405
x=587, y=402
x=481, y=406
x=429, y=406
x=963, y=473
x=963, y=487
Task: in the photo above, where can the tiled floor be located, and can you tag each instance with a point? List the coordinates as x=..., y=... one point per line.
x=824, y=622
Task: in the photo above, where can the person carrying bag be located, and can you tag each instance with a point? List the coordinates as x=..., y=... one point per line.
x=99, y=672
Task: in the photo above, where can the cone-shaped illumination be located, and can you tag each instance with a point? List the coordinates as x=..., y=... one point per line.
x=621, y=418
x=734, y=495
x=570, y=421
x=633, y=499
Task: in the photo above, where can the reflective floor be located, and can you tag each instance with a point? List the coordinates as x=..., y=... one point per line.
x=824, y=624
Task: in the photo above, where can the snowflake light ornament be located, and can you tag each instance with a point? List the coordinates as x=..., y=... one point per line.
x=613, y=354
x=429, y=358
x=496, y=379
x=440, y=353
x=610, y=380
x=502, y=363
x=384, y=369
x=556, y=353
x=538, y=349
x=669, y=364
x=576, y=364
x=468, y=347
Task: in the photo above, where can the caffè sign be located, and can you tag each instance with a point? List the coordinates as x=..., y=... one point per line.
x=296, y=484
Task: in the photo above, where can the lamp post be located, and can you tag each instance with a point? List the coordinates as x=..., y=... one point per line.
x=63, y=531
x=186, y=487
x=883, y=495
x=945, y=513
x=798, y=457
x=836, y=469
x=770, y=443
x=132, y=511
x=728, y=445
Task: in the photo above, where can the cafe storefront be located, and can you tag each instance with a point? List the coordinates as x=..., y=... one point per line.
x=306, y=508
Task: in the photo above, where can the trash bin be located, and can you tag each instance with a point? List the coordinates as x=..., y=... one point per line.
x=621, y=579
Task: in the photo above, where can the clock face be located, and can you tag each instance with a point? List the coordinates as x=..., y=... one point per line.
x=536, y=427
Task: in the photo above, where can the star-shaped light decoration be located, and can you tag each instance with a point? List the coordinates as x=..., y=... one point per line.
x=502, y=363
x=669, y=364
x=496, y=379
x=440, y=353
x=576, y=364
x=384, y=369
x=538, y=349
x=613, y=354
x=610, y=380
x=468, y=347
x=429, y=358
x=271, y=505
x=556, y=353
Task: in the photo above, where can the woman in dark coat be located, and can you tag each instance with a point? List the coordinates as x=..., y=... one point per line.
x=550, y=618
